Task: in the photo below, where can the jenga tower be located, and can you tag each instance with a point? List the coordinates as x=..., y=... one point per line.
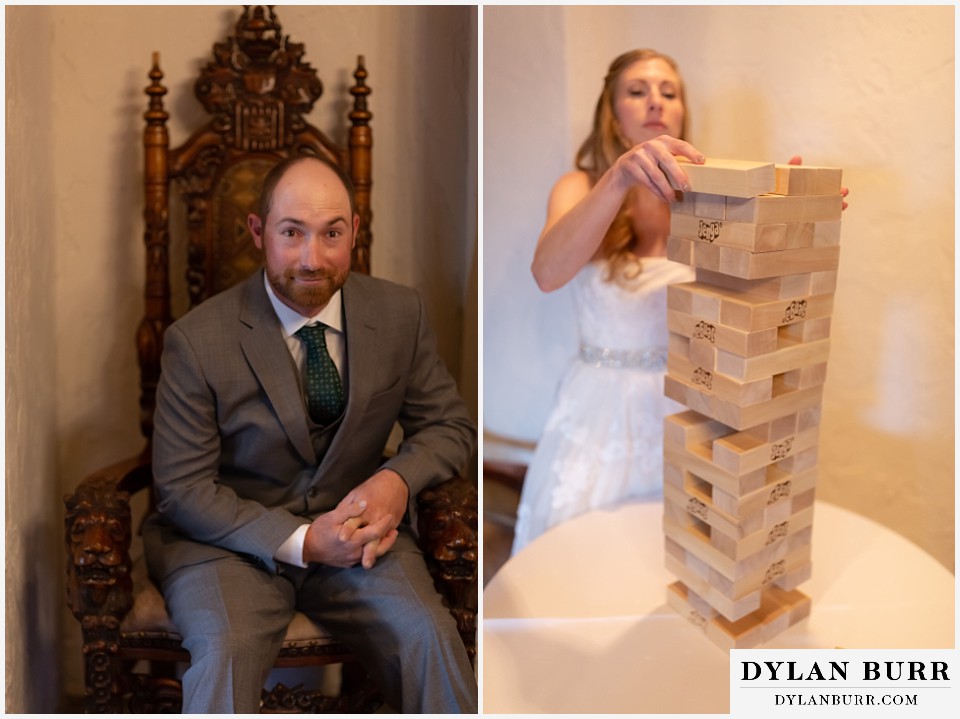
x=748, y=355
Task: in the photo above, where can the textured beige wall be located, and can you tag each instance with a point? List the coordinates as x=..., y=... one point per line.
x=34, y=595
x=869, y=89
x=75, y=80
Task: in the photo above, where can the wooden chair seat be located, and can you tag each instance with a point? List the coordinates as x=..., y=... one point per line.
x=148, y=620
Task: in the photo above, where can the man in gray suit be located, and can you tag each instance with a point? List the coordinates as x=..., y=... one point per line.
x=273, y=494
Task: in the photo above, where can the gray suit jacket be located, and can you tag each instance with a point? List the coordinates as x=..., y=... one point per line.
x=234, y=466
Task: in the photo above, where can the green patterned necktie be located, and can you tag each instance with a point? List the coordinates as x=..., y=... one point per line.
x=324, y=390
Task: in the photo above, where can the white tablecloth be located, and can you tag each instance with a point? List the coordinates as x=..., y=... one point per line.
x=578, y=622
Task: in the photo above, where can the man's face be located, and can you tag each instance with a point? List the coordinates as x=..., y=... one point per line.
x=307, y=237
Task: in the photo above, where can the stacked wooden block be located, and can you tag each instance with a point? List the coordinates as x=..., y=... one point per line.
x=748, y=350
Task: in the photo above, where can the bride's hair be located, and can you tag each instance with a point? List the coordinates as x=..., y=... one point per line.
x=602, y=148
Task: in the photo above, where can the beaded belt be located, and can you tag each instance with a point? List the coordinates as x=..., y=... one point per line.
x=650, y=359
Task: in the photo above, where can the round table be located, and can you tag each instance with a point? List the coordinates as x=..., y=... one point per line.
x=577, y=622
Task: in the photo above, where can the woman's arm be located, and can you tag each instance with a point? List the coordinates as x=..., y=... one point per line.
x=578, y=216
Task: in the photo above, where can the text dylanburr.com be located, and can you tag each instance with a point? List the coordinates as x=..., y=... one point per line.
x=922, y=683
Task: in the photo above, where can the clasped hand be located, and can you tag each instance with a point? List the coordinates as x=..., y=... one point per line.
x=362, y=527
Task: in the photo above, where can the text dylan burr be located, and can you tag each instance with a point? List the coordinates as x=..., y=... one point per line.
x=840, y=671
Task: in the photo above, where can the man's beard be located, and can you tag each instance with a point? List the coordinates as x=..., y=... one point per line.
x=308, y=296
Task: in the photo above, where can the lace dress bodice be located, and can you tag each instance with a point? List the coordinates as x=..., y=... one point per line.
x=622, y=316
x=603, y=441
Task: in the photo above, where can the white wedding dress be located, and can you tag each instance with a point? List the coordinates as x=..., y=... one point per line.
x=603, y=441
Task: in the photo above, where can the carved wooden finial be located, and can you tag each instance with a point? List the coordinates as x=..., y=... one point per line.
x=360, y=115
x=155, y=91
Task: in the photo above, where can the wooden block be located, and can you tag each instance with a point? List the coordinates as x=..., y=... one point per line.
x=788, y=357
x=680, y=250
x=751, y=512
x=807, y=180
x=700, y=604
x=779, y=610
x=829, y=181
x=782, y=208
x=733, y=178
x=751, y=313
x=790, y=582
x=696, y=300
x=701, y=402
x=788, y=287
x=806, y=331
x=779, y=488
x=736, y=540
x=705, y=255
x=685, y=204
x=681, y=300
x=795, y=179
x=800, y=461
x=742, y=452
x=742, y=235
x=774, y=530
x=804, y=377
x=826, y=234
x=696, y=464
x=742, y=311
x=777, y=263
x=823, y=283
x=689, y=428
x=707, y=379
x=778, y=565
x=736, y=579
x=695, y=471
x=674, y=475
x=678, y=345
x=777, y=429
x=798, y=235
x=678, y=599
x=710, y=206
x=728, y=339
x=784, y=400
x=702, y=354
x=730, y=608
x=809, y=417
x=758, y=526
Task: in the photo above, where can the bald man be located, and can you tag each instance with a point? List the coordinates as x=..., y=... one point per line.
x=275, y=403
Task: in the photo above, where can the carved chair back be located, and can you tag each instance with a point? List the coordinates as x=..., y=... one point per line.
x=258, y=90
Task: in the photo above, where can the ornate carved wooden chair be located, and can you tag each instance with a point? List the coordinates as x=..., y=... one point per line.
x=258, y=88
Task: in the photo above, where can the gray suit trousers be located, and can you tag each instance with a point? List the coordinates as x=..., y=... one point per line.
x=233, y=616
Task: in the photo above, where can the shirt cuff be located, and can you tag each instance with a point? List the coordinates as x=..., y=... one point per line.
x=291, y=551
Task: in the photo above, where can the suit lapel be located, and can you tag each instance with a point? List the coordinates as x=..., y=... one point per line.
x=270, y=360
x=361, y=329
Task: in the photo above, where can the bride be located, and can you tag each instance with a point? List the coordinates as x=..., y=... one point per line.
x=606, y=233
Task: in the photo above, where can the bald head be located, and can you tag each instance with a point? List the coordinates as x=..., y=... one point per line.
x=307, y=230
x=281, y=168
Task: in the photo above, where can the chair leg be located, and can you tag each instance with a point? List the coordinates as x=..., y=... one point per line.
x=357, y=691
x=102, y=667
x=155, y=695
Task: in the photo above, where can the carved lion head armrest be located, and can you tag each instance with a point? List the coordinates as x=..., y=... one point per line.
x=447, y=524
x=98, y=539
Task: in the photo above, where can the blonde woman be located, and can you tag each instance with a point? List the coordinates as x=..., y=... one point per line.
x=606, y=233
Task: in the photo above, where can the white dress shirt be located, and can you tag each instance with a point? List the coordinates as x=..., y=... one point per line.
x=291, y=551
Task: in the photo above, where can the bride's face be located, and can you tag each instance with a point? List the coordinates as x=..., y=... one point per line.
x=647, y=101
